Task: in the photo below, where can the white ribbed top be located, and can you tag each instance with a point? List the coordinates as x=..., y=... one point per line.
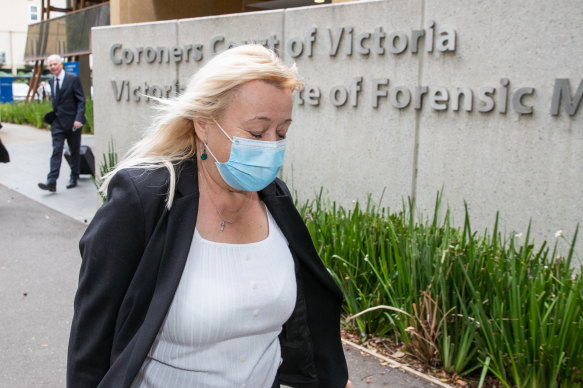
x=223, y=324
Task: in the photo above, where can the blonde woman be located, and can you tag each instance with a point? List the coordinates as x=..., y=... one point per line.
x=198, y=271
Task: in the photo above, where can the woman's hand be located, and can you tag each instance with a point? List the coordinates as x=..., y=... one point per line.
x=348, y=384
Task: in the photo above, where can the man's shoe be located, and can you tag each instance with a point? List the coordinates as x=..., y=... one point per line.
x=52, y=187
x=72, y=183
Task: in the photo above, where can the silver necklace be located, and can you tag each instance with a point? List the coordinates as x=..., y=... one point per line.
x=224, y=221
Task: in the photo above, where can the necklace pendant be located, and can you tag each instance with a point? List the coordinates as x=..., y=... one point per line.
x=222, y=225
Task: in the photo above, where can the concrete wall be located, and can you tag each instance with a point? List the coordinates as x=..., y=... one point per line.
x=399, y=129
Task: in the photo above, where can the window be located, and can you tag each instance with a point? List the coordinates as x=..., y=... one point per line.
x=33, y=13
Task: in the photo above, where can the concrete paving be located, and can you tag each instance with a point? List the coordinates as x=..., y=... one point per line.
x=30, y=151
x=39, y=265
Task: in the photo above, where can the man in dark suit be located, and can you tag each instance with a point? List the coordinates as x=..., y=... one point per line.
x=69, y=116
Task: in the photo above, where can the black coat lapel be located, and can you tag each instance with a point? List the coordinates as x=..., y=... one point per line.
x=178, y=238
x=290, y=222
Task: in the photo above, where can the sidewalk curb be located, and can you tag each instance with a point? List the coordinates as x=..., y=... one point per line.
x=397, y=365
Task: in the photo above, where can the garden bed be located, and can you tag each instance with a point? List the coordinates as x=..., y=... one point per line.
x=475, y=308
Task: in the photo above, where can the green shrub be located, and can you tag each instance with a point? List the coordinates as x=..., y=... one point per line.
x=26, y=114
x=458, y=301
x=89, y=126
x=108, y=164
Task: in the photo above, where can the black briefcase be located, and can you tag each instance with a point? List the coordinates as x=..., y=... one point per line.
x=87, y=160
x=50, y=117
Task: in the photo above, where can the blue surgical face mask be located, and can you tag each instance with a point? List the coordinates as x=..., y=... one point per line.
x=252, y=164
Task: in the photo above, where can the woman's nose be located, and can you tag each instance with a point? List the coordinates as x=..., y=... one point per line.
x=270, y=136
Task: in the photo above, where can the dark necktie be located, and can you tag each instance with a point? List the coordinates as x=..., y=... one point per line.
x=56, y=88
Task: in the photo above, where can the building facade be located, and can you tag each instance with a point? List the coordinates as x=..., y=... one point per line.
x=15, y=17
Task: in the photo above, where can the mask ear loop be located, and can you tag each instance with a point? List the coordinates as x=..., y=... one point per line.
x=207, y=146
x=221, y=128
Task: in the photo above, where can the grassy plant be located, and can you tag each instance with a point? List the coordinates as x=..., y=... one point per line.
x=464, y=302
x=27, y=114
x=108, y=164
x=533, y=317
x=343, y=241
x=89, y=126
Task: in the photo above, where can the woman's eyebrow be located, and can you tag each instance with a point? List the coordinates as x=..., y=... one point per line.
x=265, y=118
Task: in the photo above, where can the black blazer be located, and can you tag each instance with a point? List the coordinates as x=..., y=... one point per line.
x=134, y=252
x=69, y=105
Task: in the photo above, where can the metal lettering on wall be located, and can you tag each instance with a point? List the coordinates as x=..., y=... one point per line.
x=345, y=41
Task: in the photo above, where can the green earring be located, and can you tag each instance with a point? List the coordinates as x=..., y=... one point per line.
x=203, y=156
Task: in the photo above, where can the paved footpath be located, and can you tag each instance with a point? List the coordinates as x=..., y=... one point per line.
x=39, y=264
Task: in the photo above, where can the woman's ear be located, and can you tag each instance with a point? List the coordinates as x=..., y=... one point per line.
x=200, y=128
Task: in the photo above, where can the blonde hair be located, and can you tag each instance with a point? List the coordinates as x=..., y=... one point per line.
x=171, y=138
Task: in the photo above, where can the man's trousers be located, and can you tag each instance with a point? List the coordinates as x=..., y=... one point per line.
x=74, y=142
